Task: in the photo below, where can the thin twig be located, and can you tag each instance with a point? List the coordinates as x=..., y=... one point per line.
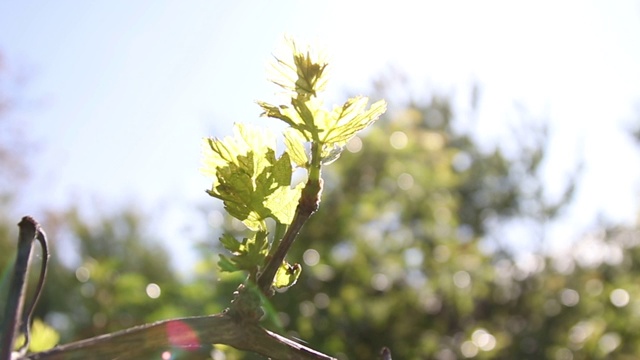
x=17, y=290
x=308, y=204
x=25, y=328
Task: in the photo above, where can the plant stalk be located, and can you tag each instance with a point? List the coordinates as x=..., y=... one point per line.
x=308, y=204
x=18, y=286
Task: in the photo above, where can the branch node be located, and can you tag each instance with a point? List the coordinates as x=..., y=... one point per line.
x=245, y=306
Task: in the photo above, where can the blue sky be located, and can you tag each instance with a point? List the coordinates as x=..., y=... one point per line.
x=125, y=90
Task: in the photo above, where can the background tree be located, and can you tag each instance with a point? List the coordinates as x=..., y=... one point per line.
x=394, y=253
x=116, y=276
x=395, y=256
x=104, y=268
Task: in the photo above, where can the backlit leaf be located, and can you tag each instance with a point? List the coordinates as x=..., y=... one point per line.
x=230, y=243
x=249, y=255
x=226, y=264
x=287, y=275
x=300, y=72
x=283, y=203
x=344, y=122
x=247, y=173
x=295, y=147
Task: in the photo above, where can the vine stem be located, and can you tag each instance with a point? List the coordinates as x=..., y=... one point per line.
x=182, y=334
x=308, y=204
x=14, y=321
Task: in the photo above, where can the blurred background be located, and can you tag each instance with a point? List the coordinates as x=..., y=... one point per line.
x=491, y=213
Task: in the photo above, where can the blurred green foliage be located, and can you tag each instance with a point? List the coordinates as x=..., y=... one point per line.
x=104, y=288
x=406, y=251
x=394, y=255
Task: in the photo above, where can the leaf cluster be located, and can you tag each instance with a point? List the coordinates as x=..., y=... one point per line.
x=255, y=184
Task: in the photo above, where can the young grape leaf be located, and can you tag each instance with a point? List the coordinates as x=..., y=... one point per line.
x=230, y=243
x=296, y=117
x=302, y=74
x=344, y=122
x=254, y=184
x=232, y=150
x=249, y=255
x=226, y=265
x=246, y=176
x=283, y=202
x=287, y=275
x=295, y=147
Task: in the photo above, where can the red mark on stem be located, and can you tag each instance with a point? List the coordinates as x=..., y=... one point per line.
x=182, y=336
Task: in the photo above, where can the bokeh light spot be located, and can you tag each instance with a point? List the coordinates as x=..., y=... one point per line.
x=398, y=140
x=462, y=279
x=580, y=332
x=307, y=308
x=311, y=257
x=594, y=287
x=564, y=354
x=468, y=349
x=609, y=342
x=405, y=181
x=483, y=339
x=569, y=297
x=380, y=282
x=413, y=257
x=153, y=290
x=83, y=274
x=321, y=300
x=619, y=297
x=432, y=304
x=354, y=145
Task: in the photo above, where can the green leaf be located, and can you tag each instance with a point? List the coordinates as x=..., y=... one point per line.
x=280, y=172
x=291, y=116
x=277, y=112
x=219, y=153
x=226, y=264
x=283, y=202
x=255, y=221
x=301, y=72
x=249, y=255
x=344, y=122
x=230, y=243
x=253, y=252
x=43, y=337
x=331, y=129
x=287, y=275
x=304, y=76
x=254, y=184
x=247, y=174
x=295, y=147
x=307, y=111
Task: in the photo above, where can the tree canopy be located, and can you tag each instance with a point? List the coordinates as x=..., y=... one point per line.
x=395, y=256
